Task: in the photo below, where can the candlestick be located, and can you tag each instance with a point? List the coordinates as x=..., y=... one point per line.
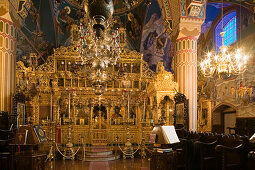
x=51, y=113
x=144, y=112
x=58, y=112
x=69, y=116
x=128, y=106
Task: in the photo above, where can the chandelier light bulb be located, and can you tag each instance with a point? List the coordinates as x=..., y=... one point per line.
x=237, y=56
x=202, y=64
x=228, y=57
x=216, y=58
x=245, y=59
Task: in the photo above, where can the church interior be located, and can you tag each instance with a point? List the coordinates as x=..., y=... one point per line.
x=127, y=84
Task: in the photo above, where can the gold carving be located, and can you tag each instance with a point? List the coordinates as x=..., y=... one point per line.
x=101, y=117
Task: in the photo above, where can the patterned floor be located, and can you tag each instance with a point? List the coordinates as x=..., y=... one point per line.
x=120, y=164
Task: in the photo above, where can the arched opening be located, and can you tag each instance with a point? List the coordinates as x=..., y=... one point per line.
x=224, y=119
x=167, y=110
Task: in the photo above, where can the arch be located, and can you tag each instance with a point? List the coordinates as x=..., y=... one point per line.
x=222, y=104
x=224, y=118
x=163, y=97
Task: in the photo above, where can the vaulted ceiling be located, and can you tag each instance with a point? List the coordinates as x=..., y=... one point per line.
x=48, y=22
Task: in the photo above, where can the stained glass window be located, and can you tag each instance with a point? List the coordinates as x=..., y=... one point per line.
x=230, y=31
x=229, y=27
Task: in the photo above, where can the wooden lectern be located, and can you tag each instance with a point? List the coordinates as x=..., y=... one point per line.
x=163, y=157
x=163, y=136
x=25, y=148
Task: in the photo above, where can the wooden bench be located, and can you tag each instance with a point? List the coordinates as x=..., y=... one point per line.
x=232, y=152
x=205, y=149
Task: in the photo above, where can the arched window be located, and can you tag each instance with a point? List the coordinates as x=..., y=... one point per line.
x=229, y=27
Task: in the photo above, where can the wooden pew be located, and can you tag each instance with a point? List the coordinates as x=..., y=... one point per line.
x=6, y=136
x=250, y=161
x=205, y=149
x=188, y=149
x=232, y=152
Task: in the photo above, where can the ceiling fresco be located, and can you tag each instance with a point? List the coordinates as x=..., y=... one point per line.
x=48, y=22
x=156, y=45
x=46, y=25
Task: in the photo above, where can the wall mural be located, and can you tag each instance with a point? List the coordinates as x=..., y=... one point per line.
x=156, y=45
x=66, y=14
x=133, y=22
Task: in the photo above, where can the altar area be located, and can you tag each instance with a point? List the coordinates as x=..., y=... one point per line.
x=60, y=96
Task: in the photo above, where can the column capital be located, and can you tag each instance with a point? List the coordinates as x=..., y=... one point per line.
x=190, y=27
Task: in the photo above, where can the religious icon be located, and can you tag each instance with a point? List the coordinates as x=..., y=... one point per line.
x=179, y=113
x=81, y=121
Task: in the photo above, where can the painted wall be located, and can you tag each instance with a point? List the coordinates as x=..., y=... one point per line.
x=156, y=45
x=238, y=91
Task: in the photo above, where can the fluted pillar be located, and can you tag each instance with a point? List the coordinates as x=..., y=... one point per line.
x=185, y=59
x=7, y=57
x=186, y=69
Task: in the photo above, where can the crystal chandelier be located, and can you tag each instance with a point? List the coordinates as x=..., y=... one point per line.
x=226, y=62
x=98, y=76
x=98, y=41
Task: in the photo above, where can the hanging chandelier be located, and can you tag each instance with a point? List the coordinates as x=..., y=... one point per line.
x=98, y=42
x=97, y=37
x=98, y=76
x=228, y=61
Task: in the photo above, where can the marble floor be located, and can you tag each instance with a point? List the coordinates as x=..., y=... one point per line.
x=120, y=164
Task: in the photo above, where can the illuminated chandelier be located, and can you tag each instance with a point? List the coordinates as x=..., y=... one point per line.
x=98, y=40
x=226, y=62
x=99, y=76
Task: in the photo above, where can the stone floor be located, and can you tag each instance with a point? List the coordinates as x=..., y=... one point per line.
x=120, y=164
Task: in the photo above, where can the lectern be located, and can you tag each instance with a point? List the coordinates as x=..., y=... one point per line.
x=161, y=136
x=25, y=147
x=163, y=156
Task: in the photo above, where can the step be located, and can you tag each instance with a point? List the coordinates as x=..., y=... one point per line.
x=102, y=158
x=98, y=148
x=99, y=153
